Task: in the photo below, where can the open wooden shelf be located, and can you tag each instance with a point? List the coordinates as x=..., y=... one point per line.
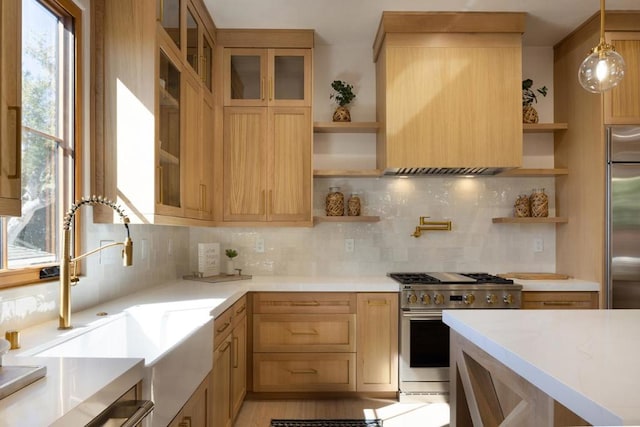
x=531, y=220
x=543, y=127
x=345, y=127
x=524, y=172
x=168, y=158
x=362, y=173
x=317, y=219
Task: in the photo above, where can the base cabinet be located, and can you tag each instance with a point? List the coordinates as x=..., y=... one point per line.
x=377, y=342
x=559, y=300
x=195, y=413
x=325, y=342
x=228, y=381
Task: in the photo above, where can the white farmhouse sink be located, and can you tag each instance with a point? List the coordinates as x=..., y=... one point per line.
x=174, y=339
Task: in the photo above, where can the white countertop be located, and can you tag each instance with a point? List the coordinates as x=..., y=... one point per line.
x=74, y=391
x=569, y=285
x=584, y=359
x=84, y=386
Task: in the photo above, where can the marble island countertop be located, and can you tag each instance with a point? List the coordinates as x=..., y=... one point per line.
x=584, y=359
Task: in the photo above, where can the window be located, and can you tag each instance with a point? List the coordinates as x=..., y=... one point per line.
x=50, y=113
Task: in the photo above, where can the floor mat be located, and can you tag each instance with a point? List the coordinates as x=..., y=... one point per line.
x=326, y=423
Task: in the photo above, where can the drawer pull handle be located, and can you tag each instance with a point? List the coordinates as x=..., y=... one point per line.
x=241, y=309
x=186, y=422
x=303, y=371
x=223, y=327
x=558, y=303
x=376, y=302
x=305, y=303
x=311, y=332
x=226, y=347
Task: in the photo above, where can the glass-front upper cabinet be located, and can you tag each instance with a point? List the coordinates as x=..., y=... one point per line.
x=168, y=179
x=169, y=17
x=193, y=36
x=206, y=72
x=261, y=77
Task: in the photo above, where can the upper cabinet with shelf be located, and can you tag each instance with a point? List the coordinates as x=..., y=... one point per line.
x=266, y=127
x=10, y=108
x=154, y=70
x=438, y=122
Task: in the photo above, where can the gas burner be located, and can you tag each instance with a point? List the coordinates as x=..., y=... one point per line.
x=487, y=278
x=413, y=278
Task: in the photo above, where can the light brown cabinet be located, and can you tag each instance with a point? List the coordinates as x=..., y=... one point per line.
x=229, y=364
x=267, y=77
x=559, y=300
x=325, y=342
x=10, y=107
x=267, y=165
x=622, y=103
x=377, y=340
x=424, y=97
x=304, y=341
x=195, y=413
x=150, y=146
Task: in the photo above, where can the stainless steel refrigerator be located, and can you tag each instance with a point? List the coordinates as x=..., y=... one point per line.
x=623, y=217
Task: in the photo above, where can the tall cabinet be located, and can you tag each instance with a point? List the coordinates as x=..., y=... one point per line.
x=580, y=195
x=10, y=107
x=152, y=136
x=267, y=127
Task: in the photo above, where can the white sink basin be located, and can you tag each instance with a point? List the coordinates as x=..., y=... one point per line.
x=174, y=339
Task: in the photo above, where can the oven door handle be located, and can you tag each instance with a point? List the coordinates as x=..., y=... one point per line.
x=426, y=315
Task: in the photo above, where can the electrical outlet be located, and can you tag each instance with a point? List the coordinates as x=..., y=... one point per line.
x=349, y=245
x=259, y=245
x=538, y=244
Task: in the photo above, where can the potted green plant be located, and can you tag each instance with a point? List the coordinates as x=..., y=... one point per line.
x=231, y=254
x=529, y=114
x=343, y=96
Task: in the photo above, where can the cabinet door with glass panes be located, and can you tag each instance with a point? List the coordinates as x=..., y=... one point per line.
x=169, y=154
x=267, y=77
x=199, y=48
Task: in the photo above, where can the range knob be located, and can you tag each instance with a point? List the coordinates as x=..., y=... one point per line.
x=492, y=299
x=438, y=299
x=469, y=299
x=508, y=299
x=426, y=299
x=412, y=298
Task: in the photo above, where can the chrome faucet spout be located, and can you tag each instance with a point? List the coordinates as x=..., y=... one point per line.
x=66, y=278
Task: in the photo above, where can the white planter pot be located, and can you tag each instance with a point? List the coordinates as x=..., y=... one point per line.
x=230, y=269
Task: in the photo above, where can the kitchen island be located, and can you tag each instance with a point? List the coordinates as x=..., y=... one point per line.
x=549, y=367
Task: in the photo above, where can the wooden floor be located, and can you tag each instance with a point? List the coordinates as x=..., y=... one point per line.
x=258, y=413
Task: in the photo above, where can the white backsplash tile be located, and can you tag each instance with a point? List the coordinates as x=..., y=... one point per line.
x=474, y=243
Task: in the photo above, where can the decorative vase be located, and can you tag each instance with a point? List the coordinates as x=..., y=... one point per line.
x=342, y=114
x=529, y=114
x=539, y=202
x=230, y=270
x=522, y=207
x=335, y=202
x=353, y=205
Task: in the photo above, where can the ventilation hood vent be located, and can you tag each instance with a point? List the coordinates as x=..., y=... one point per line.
x=442, y=171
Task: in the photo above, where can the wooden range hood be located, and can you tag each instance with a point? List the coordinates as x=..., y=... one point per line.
x=449, y=92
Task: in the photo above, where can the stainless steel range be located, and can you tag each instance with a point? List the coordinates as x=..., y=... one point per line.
x=424, y=338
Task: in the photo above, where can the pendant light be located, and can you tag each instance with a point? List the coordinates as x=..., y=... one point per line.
x=604, y=68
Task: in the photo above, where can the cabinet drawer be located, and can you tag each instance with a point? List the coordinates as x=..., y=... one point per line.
x=304, y=372
x=238, y=311
x=304, y=333
x=559, y=300
x=222, y=327
x=304, y=302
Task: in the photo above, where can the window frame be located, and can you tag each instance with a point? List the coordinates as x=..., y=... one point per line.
x=30, y=275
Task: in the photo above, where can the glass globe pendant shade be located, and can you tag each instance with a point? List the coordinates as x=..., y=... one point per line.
x=602, y=70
